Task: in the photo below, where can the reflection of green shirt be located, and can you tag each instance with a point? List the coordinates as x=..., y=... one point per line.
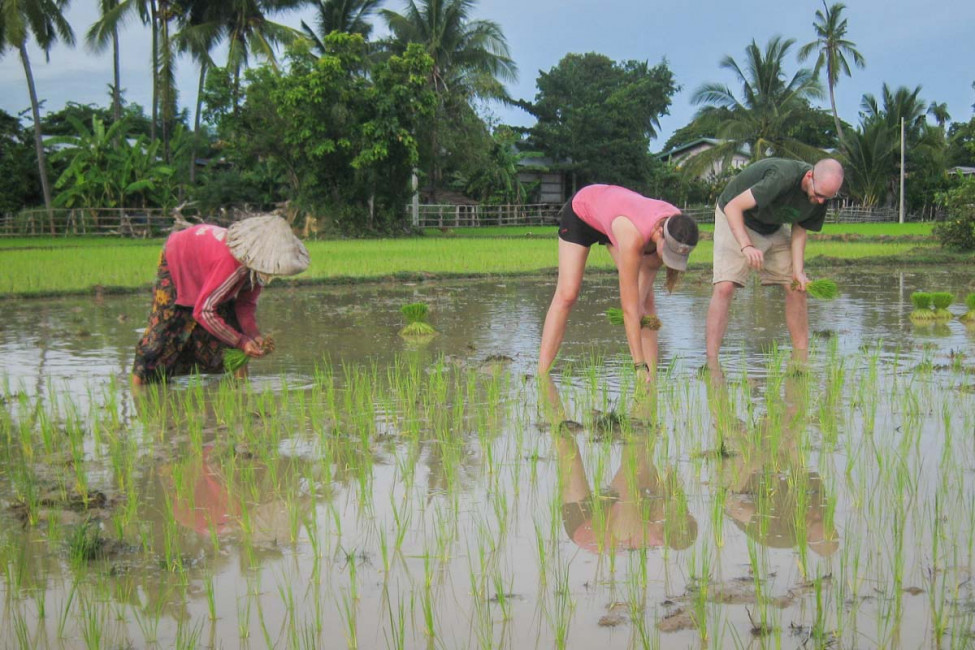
x=776, y=184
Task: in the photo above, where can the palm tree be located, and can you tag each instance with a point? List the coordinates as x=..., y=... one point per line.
x=895, y=105
x=100, y=34
x=761, y=120
x=470, y=57
x=151, y=13
x=869, y=157
x=248, y=31
x=939, y=111
x=345, y=16
x=833, y=49
x=44, y=19
x=872, y=152
x=198, y=37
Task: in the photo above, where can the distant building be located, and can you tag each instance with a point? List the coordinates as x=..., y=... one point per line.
x=962, y=171
x=553, y=186
x=681, y=154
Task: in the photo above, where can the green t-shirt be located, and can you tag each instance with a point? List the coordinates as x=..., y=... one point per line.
x=776, y=184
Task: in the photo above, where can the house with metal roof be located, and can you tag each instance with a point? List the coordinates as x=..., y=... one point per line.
x=681, y=154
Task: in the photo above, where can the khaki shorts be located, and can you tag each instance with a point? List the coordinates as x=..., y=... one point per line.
x=731, y=266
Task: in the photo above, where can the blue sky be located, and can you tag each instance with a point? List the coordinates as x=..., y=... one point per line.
x=905, y=43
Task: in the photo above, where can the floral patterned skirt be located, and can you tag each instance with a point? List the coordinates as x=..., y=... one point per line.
x=174, y=343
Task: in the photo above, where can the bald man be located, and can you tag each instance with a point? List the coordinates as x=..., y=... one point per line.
x=750, y=233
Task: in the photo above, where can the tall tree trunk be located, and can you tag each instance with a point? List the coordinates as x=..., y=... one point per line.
x=154, y=20
x=196, y=121
x=836, y=116
x=166, y=75
x=117, y=89
x=235, y=91
x=38, y=141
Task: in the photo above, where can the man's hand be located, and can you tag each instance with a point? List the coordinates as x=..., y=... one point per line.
x=754, y=257
x=799, y=281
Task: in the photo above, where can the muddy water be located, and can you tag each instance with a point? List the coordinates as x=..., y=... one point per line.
x=74, y=341
x=317, y=506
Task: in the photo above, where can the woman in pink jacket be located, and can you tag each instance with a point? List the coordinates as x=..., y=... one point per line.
x=642, y=235
x=206, y=291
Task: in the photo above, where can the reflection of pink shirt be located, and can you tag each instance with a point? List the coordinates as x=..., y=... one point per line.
x=600, y=205
x=206, y=276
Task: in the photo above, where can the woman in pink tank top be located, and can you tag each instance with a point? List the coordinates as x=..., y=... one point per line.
x=642, y=235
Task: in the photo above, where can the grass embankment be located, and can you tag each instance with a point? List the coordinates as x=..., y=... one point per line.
x=47, y=266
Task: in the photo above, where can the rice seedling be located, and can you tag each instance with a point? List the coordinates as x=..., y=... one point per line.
x=969, y=316
x=188, y=636
x=649, y=322
x=85, y=543
x=211, y=597
x=941, y=300
x=821, y=289
x=416, y=315
x=234, y=359
x=922, y=301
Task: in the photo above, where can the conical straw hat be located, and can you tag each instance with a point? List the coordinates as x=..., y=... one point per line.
x=266, y=244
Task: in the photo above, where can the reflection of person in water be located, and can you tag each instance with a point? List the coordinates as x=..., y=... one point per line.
x=638, y=509
x=772, y=496
x=209, y=502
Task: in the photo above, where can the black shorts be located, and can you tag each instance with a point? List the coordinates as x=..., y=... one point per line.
x=576, y=231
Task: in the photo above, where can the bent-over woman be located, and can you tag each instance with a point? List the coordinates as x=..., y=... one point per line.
x=641, y=234
x=205, y=295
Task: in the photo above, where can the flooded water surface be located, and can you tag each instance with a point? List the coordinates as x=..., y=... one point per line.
x=365, y=489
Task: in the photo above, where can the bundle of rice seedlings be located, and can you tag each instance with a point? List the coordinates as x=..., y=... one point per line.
x=416, y=320
x=823, y=289
x=922, y=307
x=650, y=322
x=615, y=316
x=942, y=300
x=234, y=359
x=969, y=316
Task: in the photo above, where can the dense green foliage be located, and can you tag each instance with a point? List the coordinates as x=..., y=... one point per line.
x=339, y=125
x=104, y=168
x=470, y=60
x=957, y=231
x=595, y=117
x=19, y=183
x=342, y=139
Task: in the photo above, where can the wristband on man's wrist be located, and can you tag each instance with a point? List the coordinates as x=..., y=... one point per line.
x=643, y=365
x=742, y=250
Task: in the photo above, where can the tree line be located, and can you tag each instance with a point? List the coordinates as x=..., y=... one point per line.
x=343, y=125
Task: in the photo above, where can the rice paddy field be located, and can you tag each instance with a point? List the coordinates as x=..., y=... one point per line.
x=365, y=489
x=58, y=266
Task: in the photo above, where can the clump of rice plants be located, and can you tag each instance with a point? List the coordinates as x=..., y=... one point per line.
x=615, y=315
x=922, y=301
x=649, y=322
x=969, y=316
x=942, y=300
x=416, y=320
x=234, y=358
x=85, y=543
x=822, y=289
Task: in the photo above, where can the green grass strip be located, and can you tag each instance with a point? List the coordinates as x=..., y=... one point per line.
x=79, y=265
